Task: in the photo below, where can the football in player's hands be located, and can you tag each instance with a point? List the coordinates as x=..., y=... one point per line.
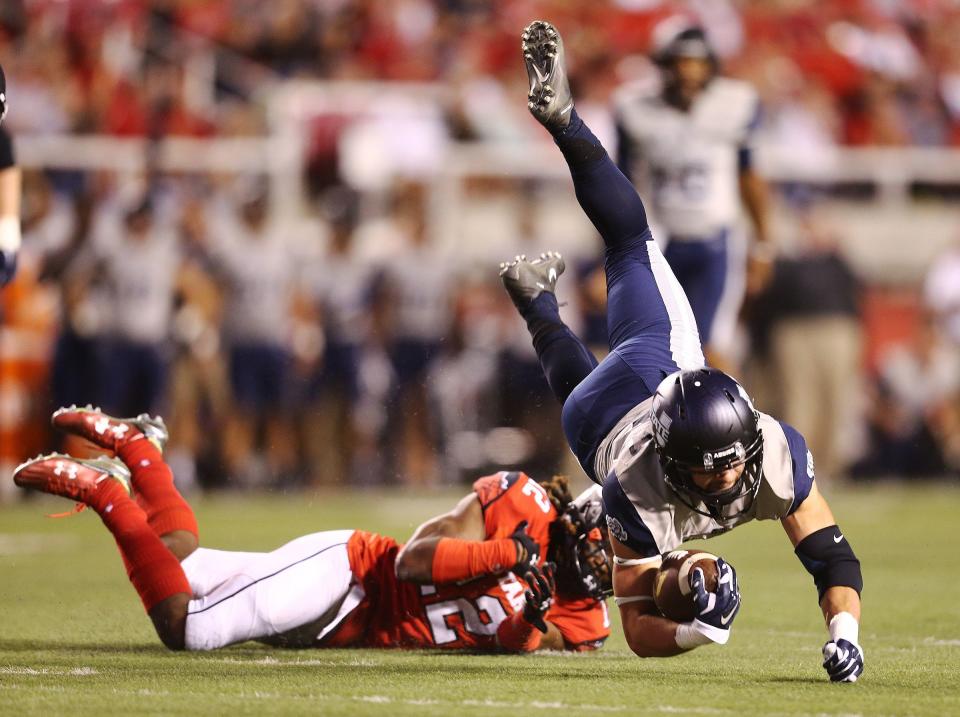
x=672, y=591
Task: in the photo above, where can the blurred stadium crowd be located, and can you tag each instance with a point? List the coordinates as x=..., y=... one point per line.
x=354, y=352
x=859, y=72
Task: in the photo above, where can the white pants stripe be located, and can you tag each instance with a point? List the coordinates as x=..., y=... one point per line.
x=684, y=338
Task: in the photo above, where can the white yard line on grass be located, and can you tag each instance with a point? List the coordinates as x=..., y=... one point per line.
x=312, y=662
x=446, y=704
x=76, y=671
x=938, y=642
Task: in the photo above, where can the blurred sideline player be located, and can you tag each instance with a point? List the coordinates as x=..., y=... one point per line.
x=688, y=144
x=9, y=197
x=679, y=448
x=454, y=585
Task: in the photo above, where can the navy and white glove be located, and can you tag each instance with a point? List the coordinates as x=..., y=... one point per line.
x=539, y=596
x=715, y=611
x=843, y=660
x=8, y=265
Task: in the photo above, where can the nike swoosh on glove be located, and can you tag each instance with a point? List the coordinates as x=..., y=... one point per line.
x=715, y=611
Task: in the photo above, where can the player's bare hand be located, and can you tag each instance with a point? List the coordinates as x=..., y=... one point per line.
x=539, y=595
x=759, y=273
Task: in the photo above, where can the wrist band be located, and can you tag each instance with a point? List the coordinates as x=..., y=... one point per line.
x=688, y=636
x=844, y=626
x=763, y=251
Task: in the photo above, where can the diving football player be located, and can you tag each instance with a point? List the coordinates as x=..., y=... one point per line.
x=678, y=447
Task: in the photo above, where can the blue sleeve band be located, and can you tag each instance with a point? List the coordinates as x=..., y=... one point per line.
x=623, y=521
x=802, y=460
x=744, y=159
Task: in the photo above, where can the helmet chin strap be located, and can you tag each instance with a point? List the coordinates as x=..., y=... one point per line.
x=713, y=509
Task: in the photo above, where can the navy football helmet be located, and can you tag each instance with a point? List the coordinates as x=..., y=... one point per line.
x=704, y=422
x=674, y=40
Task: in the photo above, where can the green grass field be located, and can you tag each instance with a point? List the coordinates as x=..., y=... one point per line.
x=73, y=638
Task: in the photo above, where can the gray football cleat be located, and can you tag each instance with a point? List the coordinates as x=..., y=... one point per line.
x=74, y=478
x=525, y=280
x=549, y=98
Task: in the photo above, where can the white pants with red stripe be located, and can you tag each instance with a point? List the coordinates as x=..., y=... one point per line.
x=291, y=594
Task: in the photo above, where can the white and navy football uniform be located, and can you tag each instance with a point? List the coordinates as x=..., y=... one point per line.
x=138, y=278
x=643, y=514
x=692, y=161
x=258, y=270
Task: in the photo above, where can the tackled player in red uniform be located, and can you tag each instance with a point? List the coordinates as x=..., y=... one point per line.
x=474, y=577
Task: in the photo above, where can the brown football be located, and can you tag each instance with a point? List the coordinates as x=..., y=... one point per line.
x=671, y=586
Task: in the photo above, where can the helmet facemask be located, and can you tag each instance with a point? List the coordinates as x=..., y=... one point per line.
x=719, y=505
x=584, y=565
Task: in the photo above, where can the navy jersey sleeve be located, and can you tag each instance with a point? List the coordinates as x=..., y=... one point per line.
x=6, y=150
x=802, y=461
x=623, y=521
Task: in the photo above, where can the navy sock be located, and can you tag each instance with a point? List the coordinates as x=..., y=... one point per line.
x=565, y=359
x=606, y=196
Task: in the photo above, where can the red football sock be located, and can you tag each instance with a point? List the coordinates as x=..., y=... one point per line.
x=153, y=484
x=154, y=571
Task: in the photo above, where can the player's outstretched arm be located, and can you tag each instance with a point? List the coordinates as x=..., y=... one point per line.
x=452, y=547
x=825, y=553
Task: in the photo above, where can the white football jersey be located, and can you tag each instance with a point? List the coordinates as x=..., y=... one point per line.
x=686, y=163
x=644, y=514
x=260, y=272
x=139, y=279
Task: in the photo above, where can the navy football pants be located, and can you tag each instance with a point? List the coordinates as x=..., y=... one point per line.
x=701, y=267
x=651, y=329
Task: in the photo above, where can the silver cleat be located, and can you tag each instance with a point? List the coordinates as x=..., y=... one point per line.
x=549, y=98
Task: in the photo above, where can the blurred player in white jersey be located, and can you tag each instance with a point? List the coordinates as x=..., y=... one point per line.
x=692, y=139
x=135, y=259
x=9, y=197
x=257, y=271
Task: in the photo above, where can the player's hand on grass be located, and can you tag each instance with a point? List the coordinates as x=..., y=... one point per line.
x=539, y=595
x=528, y=549
x=716, y=610
x=843, y=660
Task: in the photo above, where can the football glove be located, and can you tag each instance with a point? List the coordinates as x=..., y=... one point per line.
x=715, y=611
x=539, y=596
x=8, y=266
x=528, y=549
x=843, y=660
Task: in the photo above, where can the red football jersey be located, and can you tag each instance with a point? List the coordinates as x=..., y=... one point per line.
x=394, y=613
